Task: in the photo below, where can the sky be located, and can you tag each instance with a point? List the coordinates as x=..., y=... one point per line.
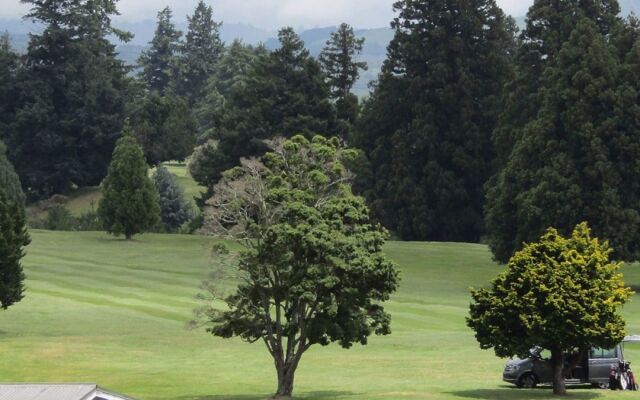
x=271, y=14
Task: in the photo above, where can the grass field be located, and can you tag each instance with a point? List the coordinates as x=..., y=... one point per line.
x=103, y=310
x=81, y=200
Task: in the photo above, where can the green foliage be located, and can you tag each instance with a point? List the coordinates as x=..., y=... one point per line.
x=59, y=218
x=577, y=160
x=313, y=271
x=158, y=63
x=9, y=181
x=165, y=127
x=342, y=69
x=231, y=71
x=562, y=294
x=426, y=128
x=10, y=65
x=283, y=94
x=130, y=201
x=199, y=54
x=71, y=98
x=549, y=25
x=174, y=209
x=13, y=238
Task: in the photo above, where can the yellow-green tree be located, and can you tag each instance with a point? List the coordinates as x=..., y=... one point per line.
x=562, y=294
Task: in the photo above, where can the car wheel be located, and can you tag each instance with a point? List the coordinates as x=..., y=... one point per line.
x=527, y=381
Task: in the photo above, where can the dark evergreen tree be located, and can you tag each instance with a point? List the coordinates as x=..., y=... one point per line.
x=549, y=24
x=159, y=62
x=10, y=65
x=426, y=128
x=174, y=209
x=165, y=128
x=199, y=54
x=130, y=201
x=71, y=95
x=13, y=238
x=9, y=181
x=231, y=70
x=283, y=94
x=578, y=159
x=340, y=64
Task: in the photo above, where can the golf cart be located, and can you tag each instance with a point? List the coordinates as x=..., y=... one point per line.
x=596, y=369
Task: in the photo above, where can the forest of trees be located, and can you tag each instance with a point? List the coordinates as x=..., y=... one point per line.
x=474, y=131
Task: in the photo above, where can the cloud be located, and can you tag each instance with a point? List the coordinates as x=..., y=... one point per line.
x=271, y=14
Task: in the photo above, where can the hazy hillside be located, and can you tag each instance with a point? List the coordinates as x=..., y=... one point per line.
x=374, y=52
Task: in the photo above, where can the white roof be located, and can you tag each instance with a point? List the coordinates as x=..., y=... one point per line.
x=80, y=391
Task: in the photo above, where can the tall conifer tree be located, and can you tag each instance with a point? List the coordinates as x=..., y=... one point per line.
x=427, y=126
x=199, y=54
x=578, y=159
x=72, y=97
x=342, y=68
x=130, y=200
x=158, y=63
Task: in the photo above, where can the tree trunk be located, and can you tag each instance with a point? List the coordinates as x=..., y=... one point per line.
x=285, y=382
x=557, y=363
x=129, y=236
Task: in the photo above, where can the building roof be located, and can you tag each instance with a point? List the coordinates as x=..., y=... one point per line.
x=80, y=391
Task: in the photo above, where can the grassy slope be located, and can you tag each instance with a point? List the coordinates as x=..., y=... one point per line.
x=81, y=200
x=99, y=309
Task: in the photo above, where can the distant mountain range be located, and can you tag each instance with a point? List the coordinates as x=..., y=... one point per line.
x=373, y=53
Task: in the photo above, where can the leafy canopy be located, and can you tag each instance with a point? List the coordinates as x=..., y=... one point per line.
x=562, y=294
x=313, y=270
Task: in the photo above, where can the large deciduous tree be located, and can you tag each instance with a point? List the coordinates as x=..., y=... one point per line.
x=427, y=126
x=71, y=98
x=313, y=271
x=578, y=159
x=130, y=201
x=159, y=62
x=199, y=54
x=562, y=294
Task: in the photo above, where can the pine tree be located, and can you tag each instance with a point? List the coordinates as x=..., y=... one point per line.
x=13, y=238
x=426, y=128
x=72, y=97
x=340, y=65
x=549, y=24
x=199, y=54
x=165, y=128
x=174, y=209
x=283, y=94
x=130, y=201
x=10, y=64
x=9, y=181
x=231, y=70
x=577, y=161
x=158, y=63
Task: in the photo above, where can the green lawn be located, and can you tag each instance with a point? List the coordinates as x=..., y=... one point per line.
x=81, y=200
x=104, y=310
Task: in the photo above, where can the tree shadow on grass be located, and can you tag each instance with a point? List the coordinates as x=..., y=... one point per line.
x=318, y=395
x=512, y=393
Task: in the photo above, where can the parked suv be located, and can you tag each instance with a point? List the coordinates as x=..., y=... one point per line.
x=537, y=369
